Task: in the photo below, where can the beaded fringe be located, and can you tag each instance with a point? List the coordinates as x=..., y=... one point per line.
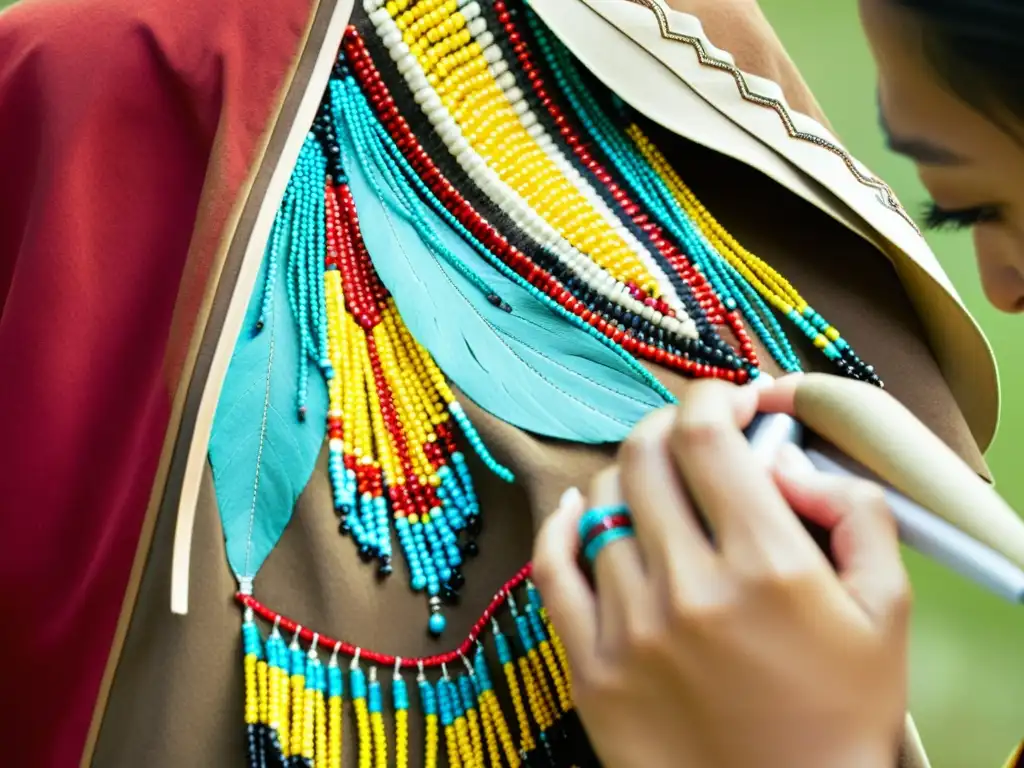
x=393, y=424
x=553, y=181
x=296, y=711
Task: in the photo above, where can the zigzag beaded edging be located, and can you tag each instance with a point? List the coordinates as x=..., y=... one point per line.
x=436, y=661
x=886, y=196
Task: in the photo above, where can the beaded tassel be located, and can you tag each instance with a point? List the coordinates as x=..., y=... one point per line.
x=357, y=684
x=428, y=705
x=391, y=426
x=495, y=728
x=393, y=423
x=335, y=693
x=375, y=705
x=400, y=701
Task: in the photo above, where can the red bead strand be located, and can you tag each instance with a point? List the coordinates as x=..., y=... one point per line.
x=382, y=659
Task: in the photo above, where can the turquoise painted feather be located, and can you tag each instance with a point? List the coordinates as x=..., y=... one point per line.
x=529, y=366
x=261, y=453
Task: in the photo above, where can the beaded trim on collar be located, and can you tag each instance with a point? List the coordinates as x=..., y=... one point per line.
x=885, y=193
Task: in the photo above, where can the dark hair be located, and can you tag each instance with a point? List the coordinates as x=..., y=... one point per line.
x=977, y=48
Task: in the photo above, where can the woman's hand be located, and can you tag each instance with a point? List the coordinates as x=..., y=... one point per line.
x=749, y=652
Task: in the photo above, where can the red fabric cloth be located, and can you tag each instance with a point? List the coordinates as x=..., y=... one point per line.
x=113, y=113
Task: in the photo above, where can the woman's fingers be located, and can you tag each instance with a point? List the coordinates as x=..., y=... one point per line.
x=753, y=525
x=569, y=598
x=780, y=396
x=671, y=537
x=865, y=543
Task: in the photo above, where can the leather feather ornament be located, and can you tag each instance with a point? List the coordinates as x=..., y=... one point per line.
x=529, y=366
x=261, y=453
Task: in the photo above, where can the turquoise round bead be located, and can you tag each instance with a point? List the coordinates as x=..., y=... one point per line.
x=437, y=623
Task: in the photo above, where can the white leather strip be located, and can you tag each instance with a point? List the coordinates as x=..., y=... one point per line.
x=196, y=459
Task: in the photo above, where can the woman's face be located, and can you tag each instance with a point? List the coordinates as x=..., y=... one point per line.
x=972, y=167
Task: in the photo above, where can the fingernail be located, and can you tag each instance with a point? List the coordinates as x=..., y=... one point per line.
x=571, y=499
x=793, y=462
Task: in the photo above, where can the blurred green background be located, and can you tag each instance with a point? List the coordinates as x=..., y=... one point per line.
x=967, y=683
x=968, y=647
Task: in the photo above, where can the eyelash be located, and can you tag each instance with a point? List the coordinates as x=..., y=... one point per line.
x=937, y=218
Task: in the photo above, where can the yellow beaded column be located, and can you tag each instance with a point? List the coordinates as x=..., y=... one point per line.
x=457, y=70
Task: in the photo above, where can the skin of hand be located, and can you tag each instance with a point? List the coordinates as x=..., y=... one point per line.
x=749, y=651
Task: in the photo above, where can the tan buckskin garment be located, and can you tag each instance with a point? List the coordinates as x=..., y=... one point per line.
x=174, y=693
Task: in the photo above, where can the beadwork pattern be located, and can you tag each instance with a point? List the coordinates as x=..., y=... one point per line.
x=635, y=332
x=399, y=458
x=479, y=116
x=294, y=702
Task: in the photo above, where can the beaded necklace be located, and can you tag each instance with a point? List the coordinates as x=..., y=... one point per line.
x=549, y=207
x=559, y=125
x=632, y=330
x=736, y=272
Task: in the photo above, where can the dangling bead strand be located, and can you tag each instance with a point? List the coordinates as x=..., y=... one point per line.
x=400, y=701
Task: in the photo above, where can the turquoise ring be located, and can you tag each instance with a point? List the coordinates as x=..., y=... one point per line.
x=601, y=526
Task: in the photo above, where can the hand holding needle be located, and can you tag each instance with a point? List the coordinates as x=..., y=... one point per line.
x=919, y=528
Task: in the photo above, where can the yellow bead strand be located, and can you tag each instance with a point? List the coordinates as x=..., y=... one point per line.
x=298, y=712
x=284, y=711
x=490, y=736
x=541, y=683
x=274, y=701
x=337, y=352
x=560, y=653
x=356, y=395
x=771, y=285
x=407, y=392
x=473, y=726
x=430, y=742
x=526, y=742
x=309, y=722
x=320, y=726
x=555, y=672
x=452, y=743
x=363, y=730
x=465, y=747
x=262, y=681
x=334, y=731
x=402, y=738
x=252, y=704
x=380, y=741
x=534, y=698
x=504, y=733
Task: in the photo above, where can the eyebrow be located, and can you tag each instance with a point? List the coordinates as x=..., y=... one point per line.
x=921, y=150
